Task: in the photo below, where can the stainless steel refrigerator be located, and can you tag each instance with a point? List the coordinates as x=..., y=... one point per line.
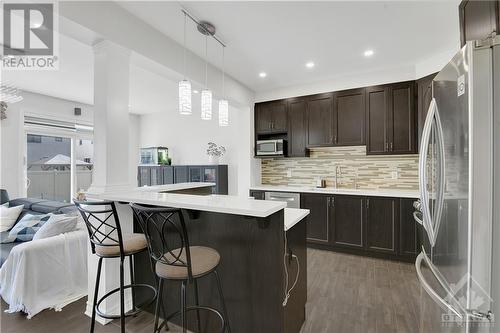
x=459, y=206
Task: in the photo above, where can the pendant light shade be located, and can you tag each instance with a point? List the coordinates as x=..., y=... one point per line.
x=223, y=104
x=206, y=104
x=185, y=97
x=184, y=85
x=206, y=94
x=223, y=113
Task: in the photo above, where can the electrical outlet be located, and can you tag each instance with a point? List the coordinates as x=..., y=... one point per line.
x=289, y=173
x=394, y=175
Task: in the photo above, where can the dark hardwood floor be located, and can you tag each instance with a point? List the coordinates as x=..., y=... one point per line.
x=346, y=293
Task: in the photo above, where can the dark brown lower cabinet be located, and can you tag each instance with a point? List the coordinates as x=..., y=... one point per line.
x=347, y=221
x=257, y=195
x=409, y=230
x=382, y=224
x=371, y=226
x=318, y=222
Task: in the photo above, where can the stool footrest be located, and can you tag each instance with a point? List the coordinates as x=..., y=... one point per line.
x=135, y=310
x=199, y=307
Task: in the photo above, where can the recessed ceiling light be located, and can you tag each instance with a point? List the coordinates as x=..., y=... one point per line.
x=195, y=91
x=368, y=53
x=262, y=74
x=310, y=64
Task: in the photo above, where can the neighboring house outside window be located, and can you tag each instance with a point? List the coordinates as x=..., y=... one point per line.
x=34, y=138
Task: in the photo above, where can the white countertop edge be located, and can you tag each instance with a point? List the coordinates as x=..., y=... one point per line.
x=159, y=196
x=175, y=187
x=294, y=216
x=367, y=192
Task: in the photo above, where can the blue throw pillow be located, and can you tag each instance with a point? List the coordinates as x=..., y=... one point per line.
x=25, y=229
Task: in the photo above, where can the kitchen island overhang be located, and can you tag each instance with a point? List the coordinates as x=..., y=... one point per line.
x=250, y=237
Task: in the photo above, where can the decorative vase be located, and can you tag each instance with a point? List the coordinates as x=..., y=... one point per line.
x=213, y=159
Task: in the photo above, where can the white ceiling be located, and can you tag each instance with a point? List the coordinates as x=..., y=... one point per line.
x=280, y=37
x=276, y=37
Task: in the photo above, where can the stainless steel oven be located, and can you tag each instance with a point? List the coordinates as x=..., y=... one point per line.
x=271, y=147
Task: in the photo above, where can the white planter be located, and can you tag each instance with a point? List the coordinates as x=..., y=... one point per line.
x=213, y=159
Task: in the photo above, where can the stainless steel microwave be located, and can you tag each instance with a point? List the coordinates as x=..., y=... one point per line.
x=270, y=147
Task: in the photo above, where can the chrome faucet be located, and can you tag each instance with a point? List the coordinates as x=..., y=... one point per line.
x=336, y=176
x=356, y=179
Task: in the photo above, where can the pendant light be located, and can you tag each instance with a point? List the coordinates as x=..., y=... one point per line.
x=206, y=94
x=185, y=107
x=223, y=104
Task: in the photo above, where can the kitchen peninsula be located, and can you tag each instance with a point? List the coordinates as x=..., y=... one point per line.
x=250, y=237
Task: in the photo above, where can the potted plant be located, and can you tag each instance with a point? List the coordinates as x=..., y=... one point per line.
x=214, y=152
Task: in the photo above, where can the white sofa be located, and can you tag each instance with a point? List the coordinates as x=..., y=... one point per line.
x=45, y=273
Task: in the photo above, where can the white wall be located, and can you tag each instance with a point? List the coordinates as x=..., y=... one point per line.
x=74, y=80
x=139, y=37
x=187, y=138
x=133, y=143
x=13, y=138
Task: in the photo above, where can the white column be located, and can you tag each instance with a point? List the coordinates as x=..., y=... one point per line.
x=111, y=157
x=111, y=100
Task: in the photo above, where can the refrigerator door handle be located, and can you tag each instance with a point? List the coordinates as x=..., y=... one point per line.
x=417, y=218
x=441, y=176
x=433, y=294
x=422, y=166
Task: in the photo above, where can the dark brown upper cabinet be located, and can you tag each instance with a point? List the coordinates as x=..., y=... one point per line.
x=347, y=221
x=271, y=117
x=320, y=120
x=377, y=99
x=402, y=135
x=349, y=117
x=297, y=128
x=382, y=224
x=424, y=97
x=478, y=19
x=390, y=119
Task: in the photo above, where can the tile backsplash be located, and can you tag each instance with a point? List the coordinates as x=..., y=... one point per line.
x=354, y=169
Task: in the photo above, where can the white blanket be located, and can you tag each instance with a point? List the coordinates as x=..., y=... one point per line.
x=45, y=273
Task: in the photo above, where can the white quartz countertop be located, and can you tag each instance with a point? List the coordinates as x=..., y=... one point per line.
x=345, y=191
x=159, y=196
x=293, y=216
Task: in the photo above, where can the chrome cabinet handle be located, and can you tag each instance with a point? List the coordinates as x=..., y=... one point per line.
x=386, y=146
x=433, y=294
x=332, y=201
x=391, y=147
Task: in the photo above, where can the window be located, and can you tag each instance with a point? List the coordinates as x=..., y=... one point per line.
x=34, y=138
x=49, y=166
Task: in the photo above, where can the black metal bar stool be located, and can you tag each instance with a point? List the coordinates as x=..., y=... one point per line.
x=164, y=229
x=107, y=241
